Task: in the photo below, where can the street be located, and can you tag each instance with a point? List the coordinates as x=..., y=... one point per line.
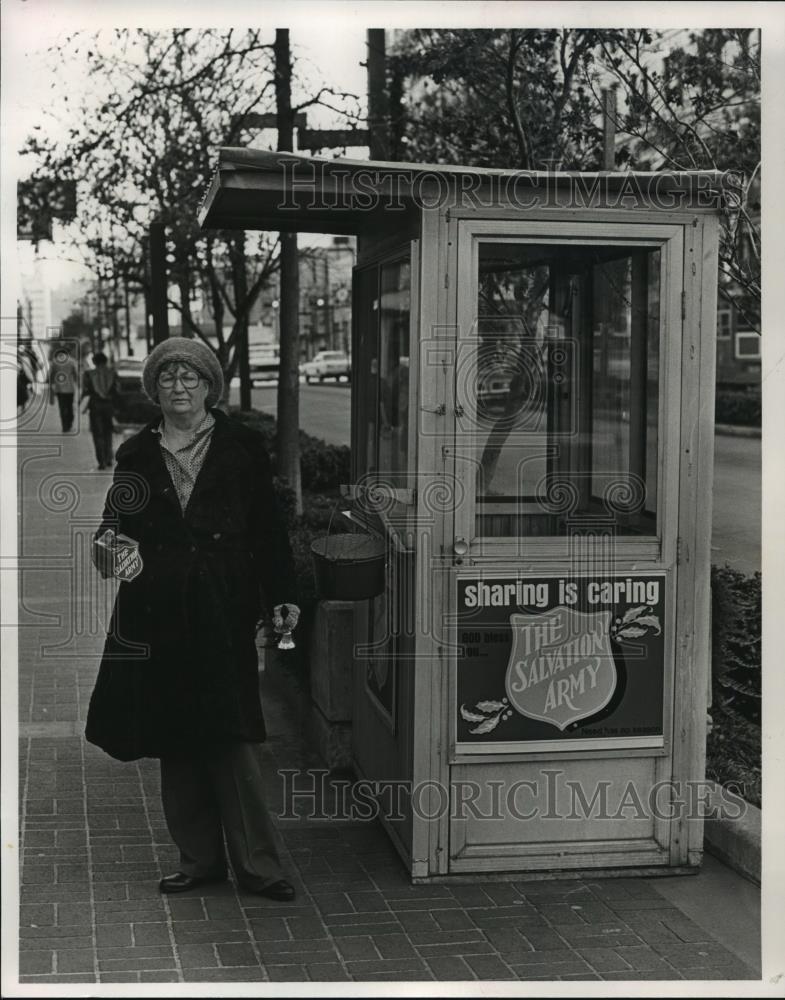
x=736, y=520
x=324, y=408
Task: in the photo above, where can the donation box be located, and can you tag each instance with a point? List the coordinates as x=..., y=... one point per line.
x=532, y=434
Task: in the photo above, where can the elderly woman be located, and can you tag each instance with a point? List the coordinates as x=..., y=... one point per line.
x=179, y=675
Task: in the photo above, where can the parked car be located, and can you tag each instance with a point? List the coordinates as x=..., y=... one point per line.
x=132, y=405
x=263, y=361
x=129, y=374
x=327, y=364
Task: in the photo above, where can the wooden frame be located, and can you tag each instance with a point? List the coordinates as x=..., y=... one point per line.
x=638, y=554
x=691, y=692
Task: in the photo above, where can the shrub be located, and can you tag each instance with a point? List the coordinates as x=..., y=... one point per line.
x=261, y=422
x=740, y=408
x=736, y=642
x=323, y=466
x=733, y=755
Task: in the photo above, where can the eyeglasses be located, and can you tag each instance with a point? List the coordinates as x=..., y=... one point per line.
x=188, y=380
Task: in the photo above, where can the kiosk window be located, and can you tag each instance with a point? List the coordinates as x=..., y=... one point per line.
x=565, y=382
x=381, y=370
x=395, y=282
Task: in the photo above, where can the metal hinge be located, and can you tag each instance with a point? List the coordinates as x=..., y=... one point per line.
x=447, y=279
x=683, y=305
x=679, y=550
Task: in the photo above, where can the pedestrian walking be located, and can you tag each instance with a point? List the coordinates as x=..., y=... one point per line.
x=99, y=391
x=63, y=384
x=24, y=381
x=207, y=549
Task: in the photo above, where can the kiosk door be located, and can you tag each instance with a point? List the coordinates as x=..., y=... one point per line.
x=564, y=575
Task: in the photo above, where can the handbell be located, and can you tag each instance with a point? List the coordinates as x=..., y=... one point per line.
x=287, y=642
x=284, y=622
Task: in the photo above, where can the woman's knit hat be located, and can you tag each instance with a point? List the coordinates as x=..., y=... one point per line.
x=192, y=352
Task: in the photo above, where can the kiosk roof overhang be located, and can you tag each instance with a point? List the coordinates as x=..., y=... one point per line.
x=281, y=191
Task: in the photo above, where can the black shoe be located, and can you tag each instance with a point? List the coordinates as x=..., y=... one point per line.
x=180, y=882
x=280, y=890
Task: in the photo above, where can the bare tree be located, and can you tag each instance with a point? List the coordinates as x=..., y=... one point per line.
x=141, y=146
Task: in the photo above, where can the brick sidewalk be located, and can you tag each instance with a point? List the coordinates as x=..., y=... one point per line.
x=95, y=844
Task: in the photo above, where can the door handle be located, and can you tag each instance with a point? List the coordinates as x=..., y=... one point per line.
x=459, y=547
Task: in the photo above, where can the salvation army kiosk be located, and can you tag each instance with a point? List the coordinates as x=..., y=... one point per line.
x=532, y=435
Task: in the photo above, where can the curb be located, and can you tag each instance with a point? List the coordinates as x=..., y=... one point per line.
x=734, y=430
x=732, y=832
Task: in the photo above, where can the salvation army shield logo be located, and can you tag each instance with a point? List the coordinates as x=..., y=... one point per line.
x=561, y=666
x=127, y=561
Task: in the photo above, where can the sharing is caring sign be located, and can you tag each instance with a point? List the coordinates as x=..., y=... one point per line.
x=561, y=658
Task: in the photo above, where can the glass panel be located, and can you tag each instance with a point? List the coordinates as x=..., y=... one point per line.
x=381, y=394
x=365, y=367
x=565, y=384
x=394, y=306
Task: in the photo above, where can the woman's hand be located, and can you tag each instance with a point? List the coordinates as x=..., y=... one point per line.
x=285, y=620
x=103, y=554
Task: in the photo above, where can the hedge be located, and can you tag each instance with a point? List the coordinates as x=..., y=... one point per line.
x=733, y=749
x=323, y=467
x=740, y=408
x=736, y=641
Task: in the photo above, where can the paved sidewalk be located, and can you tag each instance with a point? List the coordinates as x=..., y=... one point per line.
x=95, y=843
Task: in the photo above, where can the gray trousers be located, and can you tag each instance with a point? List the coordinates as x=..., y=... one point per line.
x=215, y=793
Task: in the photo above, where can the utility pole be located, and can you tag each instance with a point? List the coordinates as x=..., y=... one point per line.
x=288, y=412
x=378, y=111
x=240, y=281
